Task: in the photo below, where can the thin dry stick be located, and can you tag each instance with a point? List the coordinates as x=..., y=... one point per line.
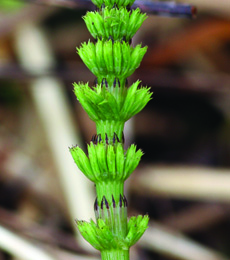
x=21, y=248
x=185, y=182
x=170, y=243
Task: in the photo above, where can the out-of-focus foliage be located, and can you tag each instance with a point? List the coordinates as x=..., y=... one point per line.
x=11, y=5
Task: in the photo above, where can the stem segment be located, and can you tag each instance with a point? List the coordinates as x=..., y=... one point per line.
x=115, y=255
x=109, y=189
x=109, y=128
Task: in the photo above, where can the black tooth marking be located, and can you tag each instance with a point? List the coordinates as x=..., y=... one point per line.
x=111, y=38
x=119, y=84
x=73, y=147
x=115, y=82
x=120, y=201
x=106, y=139
x=93, y=138
x=96, y=139
x=123, y=138
x=99, y=138
x=114, y=203
x=105, y=82
x=96, y=205
x=123, y=39
x=106, y=203
x=118, y=140
x=102, y=203
x=95, y=81
x=125, y=201
x=114, y=138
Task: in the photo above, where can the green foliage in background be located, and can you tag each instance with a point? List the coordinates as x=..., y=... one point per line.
x=11, y=5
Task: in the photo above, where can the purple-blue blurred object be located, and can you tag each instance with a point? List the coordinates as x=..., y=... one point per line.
x=166, y=8
x=160, y=8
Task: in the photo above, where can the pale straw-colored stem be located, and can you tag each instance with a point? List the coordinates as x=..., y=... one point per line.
x=21, y=248
x=174, y=244
x=209, y=184
x=52, y=106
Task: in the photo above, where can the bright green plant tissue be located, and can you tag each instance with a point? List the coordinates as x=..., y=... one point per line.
x=110, y=103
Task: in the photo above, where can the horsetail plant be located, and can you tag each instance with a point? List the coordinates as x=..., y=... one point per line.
x=110, y=103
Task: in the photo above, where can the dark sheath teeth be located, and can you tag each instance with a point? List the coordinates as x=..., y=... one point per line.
x=104, y=82
x=94, y=138
x=102, y=203
x=114, y=203
x=123, y=138
x=123, y=39
x=125, y=201
x=106, y=139
x=115, y=82
x=120, y=201
x=95, y=205
x=111, y=38
x=115, y=138
x=106, y=203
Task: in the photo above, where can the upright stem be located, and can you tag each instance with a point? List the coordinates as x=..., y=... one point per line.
x=110, y=103
x=110, y=127
x=115, y=255
x=109, y=189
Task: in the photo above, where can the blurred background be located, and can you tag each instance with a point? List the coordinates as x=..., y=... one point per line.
x=183, y=181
